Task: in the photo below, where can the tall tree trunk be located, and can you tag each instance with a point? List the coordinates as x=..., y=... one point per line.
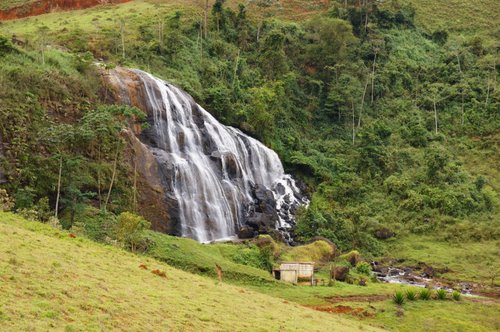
x=259, y=27
x=205, y=19
x=353, y=123
x=113, y=176
x=122, y=33
x=435, y=117
x=363, y=102
x=59, y=178
x=99, y=193
x=135, y=187
x=373, y=77
x=235, y=71
x=366, y=16
x=488, y=92
x=463, y=109
x=461, y=90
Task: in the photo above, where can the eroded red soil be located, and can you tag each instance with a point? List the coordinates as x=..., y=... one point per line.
x=47, y=6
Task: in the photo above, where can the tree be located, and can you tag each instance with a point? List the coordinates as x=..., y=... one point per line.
x=42, y=39
x=329, y=41
x=219, y=15
x=272, y=56
x=437, y=93
x=62, y=138
x=100, y=129
x=129, y=230
x=263, y=9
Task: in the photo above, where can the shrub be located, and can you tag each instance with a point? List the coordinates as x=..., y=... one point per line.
x=129, y=231
x=364, y=268
x=6, y=46
x=456, y=296
x=425, y=294
x=353, y=257
x=29, y=214
x=95, y=224
x=411, y=295
x=399, y=298
x=441, y=294
x=6, y=202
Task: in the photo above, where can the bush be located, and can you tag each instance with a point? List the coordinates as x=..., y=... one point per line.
x=364, y=268
x=399, y=298
x=411, y=295
x=456, y=296
x=6, y=202
x=441, y=294
x=129, y=231
x=29, y=214
x=425, y=294
x=6, y=46
x=95, y=224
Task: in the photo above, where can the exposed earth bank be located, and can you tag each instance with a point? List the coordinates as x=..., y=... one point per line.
x=47, y=6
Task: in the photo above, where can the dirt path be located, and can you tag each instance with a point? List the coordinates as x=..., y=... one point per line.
x=358, y=298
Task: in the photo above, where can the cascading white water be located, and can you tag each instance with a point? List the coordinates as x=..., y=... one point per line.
x=212, y=170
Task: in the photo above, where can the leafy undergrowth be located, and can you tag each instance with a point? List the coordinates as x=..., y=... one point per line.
x=52, y=281
x=194, y=257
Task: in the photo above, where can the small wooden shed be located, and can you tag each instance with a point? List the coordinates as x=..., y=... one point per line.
x=295, y=271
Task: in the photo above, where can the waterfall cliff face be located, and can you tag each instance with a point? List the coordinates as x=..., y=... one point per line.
x=216, y=181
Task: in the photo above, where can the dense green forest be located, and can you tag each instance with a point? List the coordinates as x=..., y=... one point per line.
x=393, y=128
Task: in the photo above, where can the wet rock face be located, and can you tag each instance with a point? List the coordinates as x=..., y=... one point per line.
x=198, y=178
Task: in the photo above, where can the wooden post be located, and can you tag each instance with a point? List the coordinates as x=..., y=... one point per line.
x=218, y=269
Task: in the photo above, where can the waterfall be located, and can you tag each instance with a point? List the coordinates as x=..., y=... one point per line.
x=219, y=179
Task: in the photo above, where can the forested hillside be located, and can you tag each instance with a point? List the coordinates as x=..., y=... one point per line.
x=394, y=128
x=386, y=113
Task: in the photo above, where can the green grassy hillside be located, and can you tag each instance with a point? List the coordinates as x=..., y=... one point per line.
x=51, y=281
x=458, y=15
x=6, y=4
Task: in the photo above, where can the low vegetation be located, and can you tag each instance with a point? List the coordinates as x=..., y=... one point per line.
x=399, y=298
x=425, y=294
x=108, y=288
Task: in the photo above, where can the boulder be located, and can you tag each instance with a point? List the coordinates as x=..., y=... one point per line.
x=340, y=273
x=384, y=233
x=246, y=232
x=429, y=272
x=353, y=257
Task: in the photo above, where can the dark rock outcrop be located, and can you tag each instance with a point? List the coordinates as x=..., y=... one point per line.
x=246, y=232
x=340, y=273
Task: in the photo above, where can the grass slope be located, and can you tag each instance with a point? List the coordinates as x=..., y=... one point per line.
x=7, y=4
x=194, y=257
x=49, y=281
x=471, y=261
x=458, y=15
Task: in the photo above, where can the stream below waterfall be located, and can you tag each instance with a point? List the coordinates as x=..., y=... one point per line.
x=408, y=276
